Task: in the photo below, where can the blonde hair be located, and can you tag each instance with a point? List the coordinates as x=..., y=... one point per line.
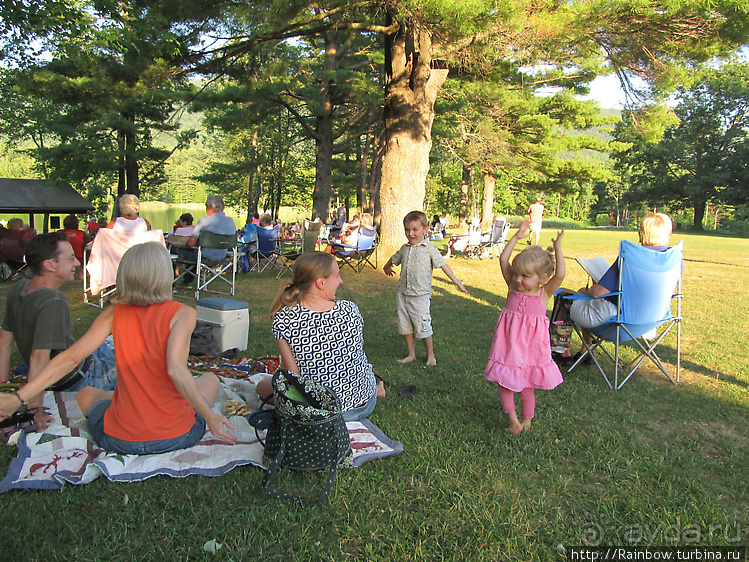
x=365, y=219
x=129, y=205
x=308, y=268
x=534, y=259
x=145, y=275
x=655, y=230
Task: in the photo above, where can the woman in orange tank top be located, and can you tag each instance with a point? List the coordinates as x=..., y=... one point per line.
x=157, y=405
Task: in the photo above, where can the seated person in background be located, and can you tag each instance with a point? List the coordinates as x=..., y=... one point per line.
x=157, y=406
x=350, y=233
x=352, y=239
x=129, y=221
x=13, y=241
x=655, y=232
x=77, y=238
x=435, y=228
x=323, y=338
x=37, y=318
x=265, y=221
x=180, y=234
x=215, y=221
x=443, y=225
x=186, y=225
x=92, y=226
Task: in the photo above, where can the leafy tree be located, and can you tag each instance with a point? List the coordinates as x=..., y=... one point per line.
x=702, y=159
x=109, y=83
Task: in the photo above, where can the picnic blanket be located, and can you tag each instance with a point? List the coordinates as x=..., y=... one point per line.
x=65, y=452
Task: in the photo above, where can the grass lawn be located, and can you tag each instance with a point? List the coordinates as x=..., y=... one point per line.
x=654, y=463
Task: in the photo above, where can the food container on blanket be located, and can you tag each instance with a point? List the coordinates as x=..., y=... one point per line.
x=230, y=320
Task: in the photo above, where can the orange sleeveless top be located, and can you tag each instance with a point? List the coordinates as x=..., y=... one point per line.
x=146, y=405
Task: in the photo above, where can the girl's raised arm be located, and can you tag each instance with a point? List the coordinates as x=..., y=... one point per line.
x=504, y=258
x=560, y=270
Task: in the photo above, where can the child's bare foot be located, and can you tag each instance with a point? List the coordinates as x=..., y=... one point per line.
x=380, y=389
x=431, y=361
x=515, y=428
x=515, y=425
x=407, y=359
x=526, y=424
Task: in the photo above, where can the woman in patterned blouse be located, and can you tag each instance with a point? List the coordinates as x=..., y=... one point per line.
x=322, y=337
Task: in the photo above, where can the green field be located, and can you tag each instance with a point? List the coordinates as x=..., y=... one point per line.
x=654, y=463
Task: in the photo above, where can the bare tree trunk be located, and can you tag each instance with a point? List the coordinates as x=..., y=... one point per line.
x=464, y=182
x=121, y=176
x=362, y=194
x=487, y=209
x=322, y=196
x=252, y=199
x=699, y=215
x=131, y=165
x=375, y=176
x=410, y=91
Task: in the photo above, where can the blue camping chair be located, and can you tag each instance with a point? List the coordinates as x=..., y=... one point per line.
x=649, y=281
x=268, y=252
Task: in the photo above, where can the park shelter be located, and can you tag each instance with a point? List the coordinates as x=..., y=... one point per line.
x=30, y=197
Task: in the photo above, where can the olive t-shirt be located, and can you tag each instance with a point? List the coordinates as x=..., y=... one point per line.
x=38, y=319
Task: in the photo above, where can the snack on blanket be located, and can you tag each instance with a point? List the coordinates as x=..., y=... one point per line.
x=234, y=407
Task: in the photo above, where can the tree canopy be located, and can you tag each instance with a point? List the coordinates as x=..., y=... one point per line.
x=128, y=56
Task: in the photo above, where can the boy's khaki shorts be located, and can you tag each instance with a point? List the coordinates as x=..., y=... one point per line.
x=412, y=314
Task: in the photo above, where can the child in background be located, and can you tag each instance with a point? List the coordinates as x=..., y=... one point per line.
x=520, y=357
x=417, y=259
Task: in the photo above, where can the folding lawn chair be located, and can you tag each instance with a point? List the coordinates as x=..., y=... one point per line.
x=210, y=271
x=268, y=253
x=356, y=257
x=649, y=281
x=492, y=242
x=466, y=244
x=500, y=229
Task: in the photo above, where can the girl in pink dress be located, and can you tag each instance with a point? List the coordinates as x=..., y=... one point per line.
x=520, y=357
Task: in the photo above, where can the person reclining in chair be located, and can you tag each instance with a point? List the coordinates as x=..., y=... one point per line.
x=655, y=232
x=37, y=318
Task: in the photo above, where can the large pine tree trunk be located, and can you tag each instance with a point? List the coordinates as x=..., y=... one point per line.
x=410, y=91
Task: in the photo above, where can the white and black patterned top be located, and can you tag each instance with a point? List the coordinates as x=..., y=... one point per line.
x=329, y=347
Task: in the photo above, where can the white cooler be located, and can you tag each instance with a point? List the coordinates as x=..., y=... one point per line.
x=230, y=320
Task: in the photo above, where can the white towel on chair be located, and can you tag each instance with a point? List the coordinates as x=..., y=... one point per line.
x=106, y=253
